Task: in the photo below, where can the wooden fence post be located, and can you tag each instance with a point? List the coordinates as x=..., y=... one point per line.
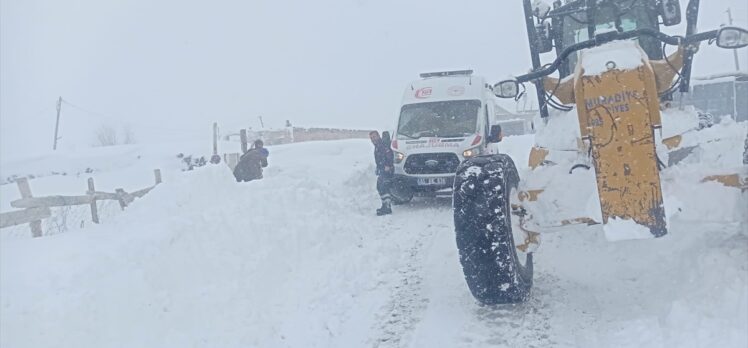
x=215, y=158
x=25, y=216
x=215, y=138
x=23, y=186
x=35, y=209
x=157, y=175
x=243, y=138
x=94, y=209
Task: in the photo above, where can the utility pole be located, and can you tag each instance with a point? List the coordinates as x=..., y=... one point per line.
x=57, y=123
x=262, y=125
x=734, y=51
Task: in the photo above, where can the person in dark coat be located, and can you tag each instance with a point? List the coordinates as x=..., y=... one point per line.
x=383, y=157
x=251, y=163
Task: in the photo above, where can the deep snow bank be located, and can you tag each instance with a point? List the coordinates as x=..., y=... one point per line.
x=299, y=260
x=205, y=260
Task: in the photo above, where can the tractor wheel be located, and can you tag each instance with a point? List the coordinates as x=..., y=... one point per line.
x=494, y=271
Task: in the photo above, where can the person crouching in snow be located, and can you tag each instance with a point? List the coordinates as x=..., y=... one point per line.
x=383, y=157
x=251, y=163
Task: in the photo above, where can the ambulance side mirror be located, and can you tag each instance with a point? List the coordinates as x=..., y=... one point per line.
x=494, y=135
x=506, y=89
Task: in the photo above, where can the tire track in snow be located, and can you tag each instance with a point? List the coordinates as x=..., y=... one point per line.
x=525, y=324
x=400, y=315
x=559, y=313
x=407, y=301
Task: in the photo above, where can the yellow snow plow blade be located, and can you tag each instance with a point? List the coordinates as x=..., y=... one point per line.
x=537, y=156
x=729, y=180
x=672, y=142
x=617, y=111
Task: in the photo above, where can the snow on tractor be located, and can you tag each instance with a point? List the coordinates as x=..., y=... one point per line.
x=613, y=69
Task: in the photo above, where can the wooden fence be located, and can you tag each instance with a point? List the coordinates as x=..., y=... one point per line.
x=37, y=208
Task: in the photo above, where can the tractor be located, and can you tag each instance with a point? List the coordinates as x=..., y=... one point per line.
x=598, y=157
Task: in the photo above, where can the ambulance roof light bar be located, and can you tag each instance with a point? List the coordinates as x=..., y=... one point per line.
x=447, y=73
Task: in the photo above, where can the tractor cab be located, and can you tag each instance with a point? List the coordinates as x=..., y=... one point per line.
x=575, y=22
x=558, y=26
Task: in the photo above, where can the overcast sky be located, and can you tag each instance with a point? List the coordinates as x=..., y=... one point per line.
x=171, y=68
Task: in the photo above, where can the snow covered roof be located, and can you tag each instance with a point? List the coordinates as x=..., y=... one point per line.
x=723, y=77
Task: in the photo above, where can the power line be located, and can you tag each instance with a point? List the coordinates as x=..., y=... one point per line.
x=120, y=119
x=91, y=112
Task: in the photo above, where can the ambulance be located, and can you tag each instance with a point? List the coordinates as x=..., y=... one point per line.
x=445, y=118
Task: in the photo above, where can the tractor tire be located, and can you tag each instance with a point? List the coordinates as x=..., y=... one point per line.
x=483, y=228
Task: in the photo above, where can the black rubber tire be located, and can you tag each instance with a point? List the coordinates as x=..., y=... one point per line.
x=400, y=192
x=482, y=218
x=396, y=200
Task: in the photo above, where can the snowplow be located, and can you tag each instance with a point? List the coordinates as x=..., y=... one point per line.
x=599, y=157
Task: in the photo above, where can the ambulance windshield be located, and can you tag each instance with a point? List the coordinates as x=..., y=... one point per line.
x=444, y=119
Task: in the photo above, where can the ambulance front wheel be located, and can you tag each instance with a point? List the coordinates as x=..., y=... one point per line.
x=401, y=194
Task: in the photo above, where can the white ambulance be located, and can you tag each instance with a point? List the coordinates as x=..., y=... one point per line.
x=445, y=118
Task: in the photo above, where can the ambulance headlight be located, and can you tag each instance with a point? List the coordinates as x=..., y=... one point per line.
x=471, y=152
x=399, y=157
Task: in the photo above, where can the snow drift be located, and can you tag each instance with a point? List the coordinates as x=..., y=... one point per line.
x=299, y=260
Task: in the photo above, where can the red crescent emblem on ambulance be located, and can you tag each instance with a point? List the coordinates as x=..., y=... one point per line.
x=423, y=93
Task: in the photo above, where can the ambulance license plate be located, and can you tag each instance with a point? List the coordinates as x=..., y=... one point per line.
x=432, y=181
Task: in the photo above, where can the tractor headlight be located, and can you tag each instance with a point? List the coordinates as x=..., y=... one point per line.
x=471, y=152
x=399, y=156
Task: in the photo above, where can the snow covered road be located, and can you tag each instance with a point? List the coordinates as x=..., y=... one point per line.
x=299, y=260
